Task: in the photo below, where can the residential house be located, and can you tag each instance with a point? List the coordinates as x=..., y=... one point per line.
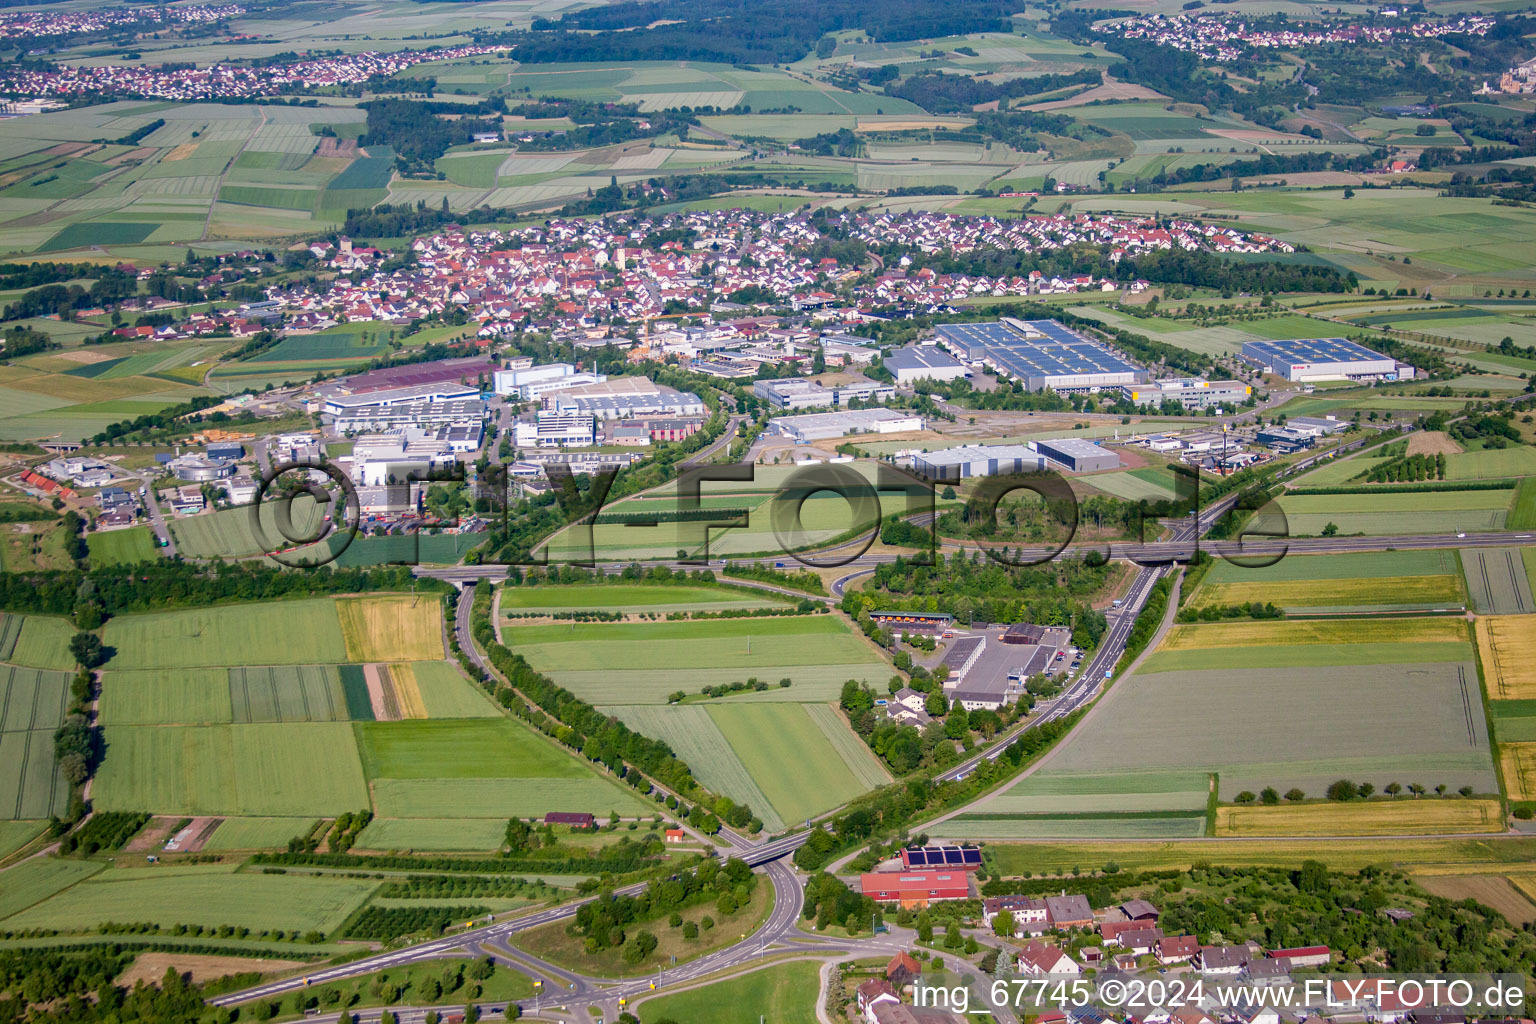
x=1038, y=957
x=1069, y=911
x=1141, y=941
x=871, y=992
x=1177, y=949
x=1223, y=959
x=1030, y=916
x=902, y=970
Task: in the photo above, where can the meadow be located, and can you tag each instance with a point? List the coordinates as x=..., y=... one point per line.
x=122, y=547
x=257, y=833
x=446, y=835
x=229, y=532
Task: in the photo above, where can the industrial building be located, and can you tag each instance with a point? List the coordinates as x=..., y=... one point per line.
x=460, y=413
x=623, y=406
x=923, y=362
x=199, y=469
x=1307, y=359
x=1040, y=354
x=803, y=393
x=415, y=394
x=1190, y=392
x=1077, y=455
x=511, y=381
x=555, y=430
x=818, y=425
x=978, y=460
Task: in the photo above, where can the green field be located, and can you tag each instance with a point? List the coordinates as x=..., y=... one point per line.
x=42, y=642
x=624, y=597
x=434, y=834
x=192, y=696
x=447, y=694
x=1396, y=513
x=597, y=661
x=409, y=549
x=270, y=769
x=16, y=834
x=479, y=768
x=206, y=895
x=35, y=880
x=32, y=705
x=784, y=993
x=257, y=833
x=1491, y=463
x=122, y=547
x=228, y=533
x=287, y=693
x=272, y=633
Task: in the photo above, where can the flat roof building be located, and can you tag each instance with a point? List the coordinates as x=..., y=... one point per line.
x=1076, y=455
x=978, y=460
x=1304, y=359
x=1040, y=354
x=818, y=425
x=803, y=393
x=1190, y=392
x=415, y=394
x=923, y=362
x=460, y=413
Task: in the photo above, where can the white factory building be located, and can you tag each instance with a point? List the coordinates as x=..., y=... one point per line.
x=1310, y=359
x=923, y=362
x=819, y=425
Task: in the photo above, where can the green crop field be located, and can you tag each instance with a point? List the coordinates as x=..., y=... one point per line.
x=1491, y=463
x=1496, y=581
x=257, y=833
x=596, y=660
x=212, y=896
x=359, y=342
x=270, y=633
x=122, y=547
x=270, y=769
x=16, y=834
x=287, y=693
x=477, y=768
x=1399, y=580
x=32, y=704
x=624, y=597
x=784, y=993
x=35, y=880
x=189, y=696
x=228, y=533
x=1310, y=656
x=1400, y=513
x=43, y=642
x=968, y=826
x=1102, y=792
x=434, y=834
x=1346, y=722
x=409, y=549
x=447, y=694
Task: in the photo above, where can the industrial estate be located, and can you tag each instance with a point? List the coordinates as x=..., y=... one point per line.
x=684, y=513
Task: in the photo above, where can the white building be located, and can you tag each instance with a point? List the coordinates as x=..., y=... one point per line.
x=924, y=362
x=555, y=430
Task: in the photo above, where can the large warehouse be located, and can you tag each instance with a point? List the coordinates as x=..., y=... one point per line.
x=923, y=362
x=819, y=425
x=1041, y=354
x=978, y=460
x=1304, y=359
x=1076, y=455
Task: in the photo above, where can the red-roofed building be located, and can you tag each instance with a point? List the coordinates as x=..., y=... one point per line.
x=1303, y=956
x=915, y=888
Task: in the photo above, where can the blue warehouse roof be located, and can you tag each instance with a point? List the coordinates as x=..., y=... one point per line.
x=1057, y=351
x=1315, y=350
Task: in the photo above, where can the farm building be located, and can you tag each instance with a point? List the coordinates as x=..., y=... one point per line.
x=818, y=425
x=1076, y=455
x=1304, y=359
x=1040, y=354
x=923, y=362
x=978, y=460
x=1303, y=956
x=915, y=888
x=572, y=818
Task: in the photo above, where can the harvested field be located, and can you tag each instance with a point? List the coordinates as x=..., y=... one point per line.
x=1432, y=442
x=150, y=968
x=1274, y=632
x=1518, y=762
x=1412, y=592
x=1403, y=816
x=1492, y=891
x=1507, y=646
x=381, y=697
x=399, y=628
